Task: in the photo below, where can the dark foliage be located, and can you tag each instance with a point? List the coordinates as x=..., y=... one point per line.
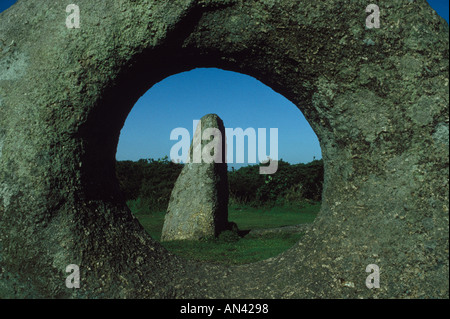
x=151, y=181
x=290, y=182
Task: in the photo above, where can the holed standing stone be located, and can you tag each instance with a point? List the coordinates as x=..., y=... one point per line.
x=378, y=100
x=198, y=206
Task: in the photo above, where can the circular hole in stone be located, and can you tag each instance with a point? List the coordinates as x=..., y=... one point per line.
x=267, y=213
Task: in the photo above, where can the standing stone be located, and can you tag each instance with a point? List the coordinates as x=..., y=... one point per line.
x=198, y=206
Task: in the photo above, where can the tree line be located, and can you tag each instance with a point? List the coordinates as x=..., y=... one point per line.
x=148, y=183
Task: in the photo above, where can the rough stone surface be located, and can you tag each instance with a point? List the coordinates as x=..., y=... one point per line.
x=198, y=206
x=376, y=98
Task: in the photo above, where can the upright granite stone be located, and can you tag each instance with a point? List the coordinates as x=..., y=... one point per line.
x=198, y=206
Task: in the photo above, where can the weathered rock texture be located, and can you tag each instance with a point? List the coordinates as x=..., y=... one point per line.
x=376, y=98
x=198, y=206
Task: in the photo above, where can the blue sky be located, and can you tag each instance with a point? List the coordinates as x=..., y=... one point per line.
x=240, y=100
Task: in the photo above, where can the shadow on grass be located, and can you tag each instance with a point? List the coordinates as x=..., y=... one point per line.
x=254, y=241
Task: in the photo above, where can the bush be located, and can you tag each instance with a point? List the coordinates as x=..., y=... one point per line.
x=291, y=183
x=295, y=194
x=148, y=182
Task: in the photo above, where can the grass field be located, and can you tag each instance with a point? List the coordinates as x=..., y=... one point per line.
x=233, y=250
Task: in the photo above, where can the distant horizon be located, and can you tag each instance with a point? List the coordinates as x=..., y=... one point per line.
x=236, y=166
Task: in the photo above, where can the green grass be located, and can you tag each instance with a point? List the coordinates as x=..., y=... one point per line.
x=241, y=250
x=247, y=217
